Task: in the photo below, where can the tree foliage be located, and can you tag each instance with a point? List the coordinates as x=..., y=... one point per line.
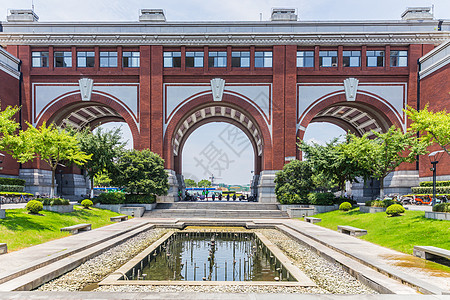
x=383, y=154
x=141, y=172
x=8, y=124
x=333, y=162
x=190, y=183
x=433, y=126
x=294, y=182
x=104, y=147
x=50, y=144
x=204, y=183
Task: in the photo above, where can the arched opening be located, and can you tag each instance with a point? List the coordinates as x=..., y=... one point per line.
x=221, y=150
x=325, y=122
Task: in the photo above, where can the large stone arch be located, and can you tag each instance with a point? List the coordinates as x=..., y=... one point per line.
x=99, y=110
x=203, y=110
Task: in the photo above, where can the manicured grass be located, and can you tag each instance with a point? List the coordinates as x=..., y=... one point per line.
x=399, y=233
x=20, y=229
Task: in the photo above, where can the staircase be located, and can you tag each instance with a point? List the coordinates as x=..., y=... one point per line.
x=225, y=210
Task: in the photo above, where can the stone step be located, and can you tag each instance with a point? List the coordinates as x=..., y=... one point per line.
x=210, y=213
x=218, y=205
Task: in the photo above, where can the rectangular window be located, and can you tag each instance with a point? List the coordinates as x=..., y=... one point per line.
x=217, y=59
x=194, y=59
x=352, y=58
x=85, y=59
x=399, y=58
x=63, y=59
x=130, y=59
x=328, y=59
x=108, y=59
x=39, y=59
x=305, y=59
x=375, y=58
x=172, y=59
x=240, y=59
x=263, y=59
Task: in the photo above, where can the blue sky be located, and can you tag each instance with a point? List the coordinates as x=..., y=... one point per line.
x=207, y=139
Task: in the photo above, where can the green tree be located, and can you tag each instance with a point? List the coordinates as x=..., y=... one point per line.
x=103, y=179
x=51, y=144
x=204, y=183
x=8, y=124
x=294, y=182
x=190, y=183
x=104, y=147
x=433, y=126
x=141, y=172
x=333, y=162
x=382, y=155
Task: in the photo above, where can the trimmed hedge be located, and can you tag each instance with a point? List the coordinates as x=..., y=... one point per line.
x=11, y=188
x=34, y=206
x=110, y=198
x=442, y=207
x=11, y=181
x=429, y=190
x=379, y=203
x=140, y=199
x=438, y=183
x=340, y=200
x=321, y=198
x=395, y=210
x=54, y=201
x=15, y=194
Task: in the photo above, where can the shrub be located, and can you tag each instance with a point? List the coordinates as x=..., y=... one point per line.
x=442, y=207
x=11, y=181
x=34, y=206
x=11, y=188
x=15, y=194
x=140, y=199
x=340, y=200
x=321, y=198
x=54, y=201
x=388, y=202
x=111, y=198
x=438, y=183
x=345, y=206
x=395, y=210
x=294, y=183
x=86, y=203
x=429, y=189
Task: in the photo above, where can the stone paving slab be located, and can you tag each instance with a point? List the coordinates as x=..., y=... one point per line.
x=385, y=260
x=25, y=260
x=204, y=296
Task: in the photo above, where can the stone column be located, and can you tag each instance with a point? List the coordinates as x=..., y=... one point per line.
x=266, y=187
x=174, y=187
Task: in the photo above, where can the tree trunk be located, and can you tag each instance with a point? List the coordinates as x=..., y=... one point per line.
x=52, y=191
x=92, y=188
x=382, y=188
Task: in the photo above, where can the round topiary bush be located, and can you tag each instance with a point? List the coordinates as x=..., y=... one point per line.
x=86, y=203
x=34, y=206
x=395, y=210
x=345, y=206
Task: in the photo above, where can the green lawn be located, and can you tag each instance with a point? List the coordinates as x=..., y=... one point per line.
x=398, y=233
x=20, y=229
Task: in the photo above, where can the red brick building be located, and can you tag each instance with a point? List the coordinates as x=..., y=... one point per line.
x=271, y=79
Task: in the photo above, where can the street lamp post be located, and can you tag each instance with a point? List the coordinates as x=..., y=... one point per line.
x=434, y=159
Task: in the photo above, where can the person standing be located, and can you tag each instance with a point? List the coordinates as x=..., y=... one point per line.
x=234, y=197
x=213, y=196
x=228, y=197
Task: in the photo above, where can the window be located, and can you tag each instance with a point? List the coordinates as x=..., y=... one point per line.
x=263, y=59
x=39, y=59
x=352, y=58
x=305, y=59
x=217, y=59
x=240, y=59
x=85, y=59
x=108, y=59
x=328, y=59
x=63, y=59
x=130, y=59
x=172, y=59
x=375, y=58
x=194, y=59
x=399, y=58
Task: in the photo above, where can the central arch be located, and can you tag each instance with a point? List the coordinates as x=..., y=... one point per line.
x=204, y=110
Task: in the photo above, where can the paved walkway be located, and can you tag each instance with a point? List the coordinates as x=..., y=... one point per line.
x=407, y=267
